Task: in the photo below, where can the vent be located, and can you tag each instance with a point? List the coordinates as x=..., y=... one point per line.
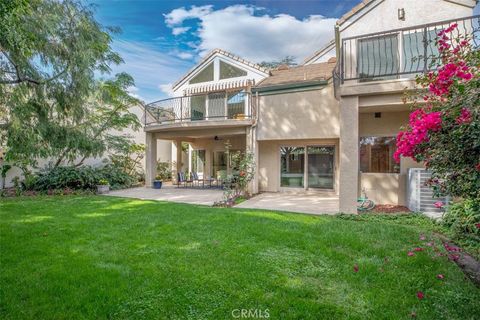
x=378, y=114
x=420, y=196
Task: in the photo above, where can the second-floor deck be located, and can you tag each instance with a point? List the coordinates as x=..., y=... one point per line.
x=227, y=106
x=399, y=53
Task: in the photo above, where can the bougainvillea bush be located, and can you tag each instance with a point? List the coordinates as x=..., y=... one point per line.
x=444, y=126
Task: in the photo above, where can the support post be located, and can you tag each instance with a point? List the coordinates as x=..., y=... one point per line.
x=190, y=150
x=179, y=155
x=252, y=147
x=349, y=154
x=150, y=158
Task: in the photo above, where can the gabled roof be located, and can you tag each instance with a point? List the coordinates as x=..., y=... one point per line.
x=354, y=10
x=300, y=74
x=326, y=48
x=224, y=53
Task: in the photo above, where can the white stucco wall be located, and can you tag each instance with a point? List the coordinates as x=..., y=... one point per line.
x=382, y=15
x=309, y=114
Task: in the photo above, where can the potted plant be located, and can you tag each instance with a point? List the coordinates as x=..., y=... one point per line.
x=157, y=183
x=103, y=186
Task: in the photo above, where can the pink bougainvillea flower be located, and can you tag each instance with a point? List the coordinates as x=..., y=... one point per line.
x=453, y=257
x=355, y=268
x=410, y=254
x=440, y=276
x=477, y=225
x=420, y=295
x=418, y=249
x=422, y=237
x=420, y=123
x=430, y=244
x=438, y=204
x=451, y=248
x=465, y=117
x=477, y=167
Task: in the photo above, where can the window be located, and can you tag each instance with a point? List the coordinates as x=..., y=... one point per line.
x=292, y=166
x=376, y=155
x=229, y=71
x=377, y=57
x=235, y=104
x=198, y=161
x=197, y=106
x=203, y=76
x=413, y=50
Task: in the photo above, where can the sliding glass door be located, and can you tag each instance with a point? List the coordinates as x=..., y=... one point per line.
x=292, y=167
x=321, y=163
x=309, y=166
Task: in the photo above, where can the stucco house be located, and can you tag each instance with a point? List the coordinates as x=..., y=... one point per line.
x=328, y=124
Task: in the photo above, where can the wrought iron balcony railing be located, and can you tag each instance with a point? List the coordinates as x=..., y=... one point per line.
x=398, y=53
x=211, y=106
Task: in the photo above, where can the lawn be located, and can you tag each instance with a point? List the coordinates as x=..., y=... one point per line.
x=75, y=257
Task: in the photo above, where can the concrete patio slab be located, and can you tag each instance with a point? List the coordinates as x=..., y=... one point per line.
x=312, y=203
x=171, y=193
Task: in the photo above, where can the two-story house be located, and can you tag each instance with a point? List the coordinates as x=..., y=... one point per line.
x=328, y=124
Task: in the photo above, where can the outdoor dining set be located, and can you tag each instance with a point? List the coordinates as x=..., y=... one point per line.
x=192, y=180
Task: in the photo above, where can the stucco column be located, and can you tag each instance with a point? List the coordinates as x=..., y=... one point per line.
x=190, y=151
x=208, y=163
x=252, y=146
x=349, y=154
x=150, y=158
x=178, y=144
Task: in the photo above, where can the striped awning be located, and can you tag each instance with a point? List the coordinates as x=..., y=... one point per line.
x=219, y=86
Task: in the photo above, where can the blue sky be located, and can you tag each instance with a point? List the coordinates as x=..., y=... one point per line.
x=161, y=40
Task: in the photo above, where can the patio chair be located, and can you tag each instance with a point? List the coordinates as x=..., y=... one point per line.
x=196, y=179
x=181, y=179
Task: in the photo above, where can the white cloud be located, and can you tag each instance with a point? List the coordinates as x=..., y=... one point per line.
x=258, y=38
x=177, y=16
x=179, y=30
x=167, y=89
x=149, y=67
x=185, y=55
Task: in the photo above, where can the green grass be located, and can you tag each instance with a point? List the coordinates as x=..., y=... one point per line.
x=77, y=257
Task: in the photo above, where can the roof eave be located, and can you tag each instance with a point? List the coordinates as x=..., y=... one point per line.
x=291, y=85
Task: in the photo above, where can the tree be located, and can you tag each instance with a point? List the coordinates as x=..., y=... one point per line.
x=444, y=130
x=43, y=133
x=288, y=60
x=52, y=103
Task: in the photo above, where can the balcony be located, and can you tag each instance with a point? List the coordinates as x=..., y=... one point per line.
x=230, y=106
x=399, y=53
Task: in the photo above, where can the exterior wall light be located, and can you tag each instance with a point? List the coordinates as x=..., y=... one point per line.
x=401, y=14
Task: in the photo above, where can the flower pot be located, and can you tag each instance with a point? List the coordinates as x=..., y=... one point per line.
x=157, y=184
x=103, y=188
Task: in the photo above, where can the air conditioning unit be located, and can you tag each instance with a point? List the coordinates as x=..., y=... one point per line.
x=420, y=197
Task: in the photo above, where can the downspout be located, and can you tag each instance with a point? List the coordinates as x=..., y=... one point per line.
x=337, y=42
x=336, y=74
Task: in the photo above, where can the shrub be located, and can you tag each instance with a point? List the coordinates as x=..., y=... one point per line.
x=444, y=127
x=66, y=177
x=164, y=171
x=117, y=177
x=103, y=182
x=79, y=178
x=463, y=219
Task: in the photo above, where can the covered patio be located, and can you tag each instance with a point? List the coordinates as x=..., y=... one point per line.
x=199, y=152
